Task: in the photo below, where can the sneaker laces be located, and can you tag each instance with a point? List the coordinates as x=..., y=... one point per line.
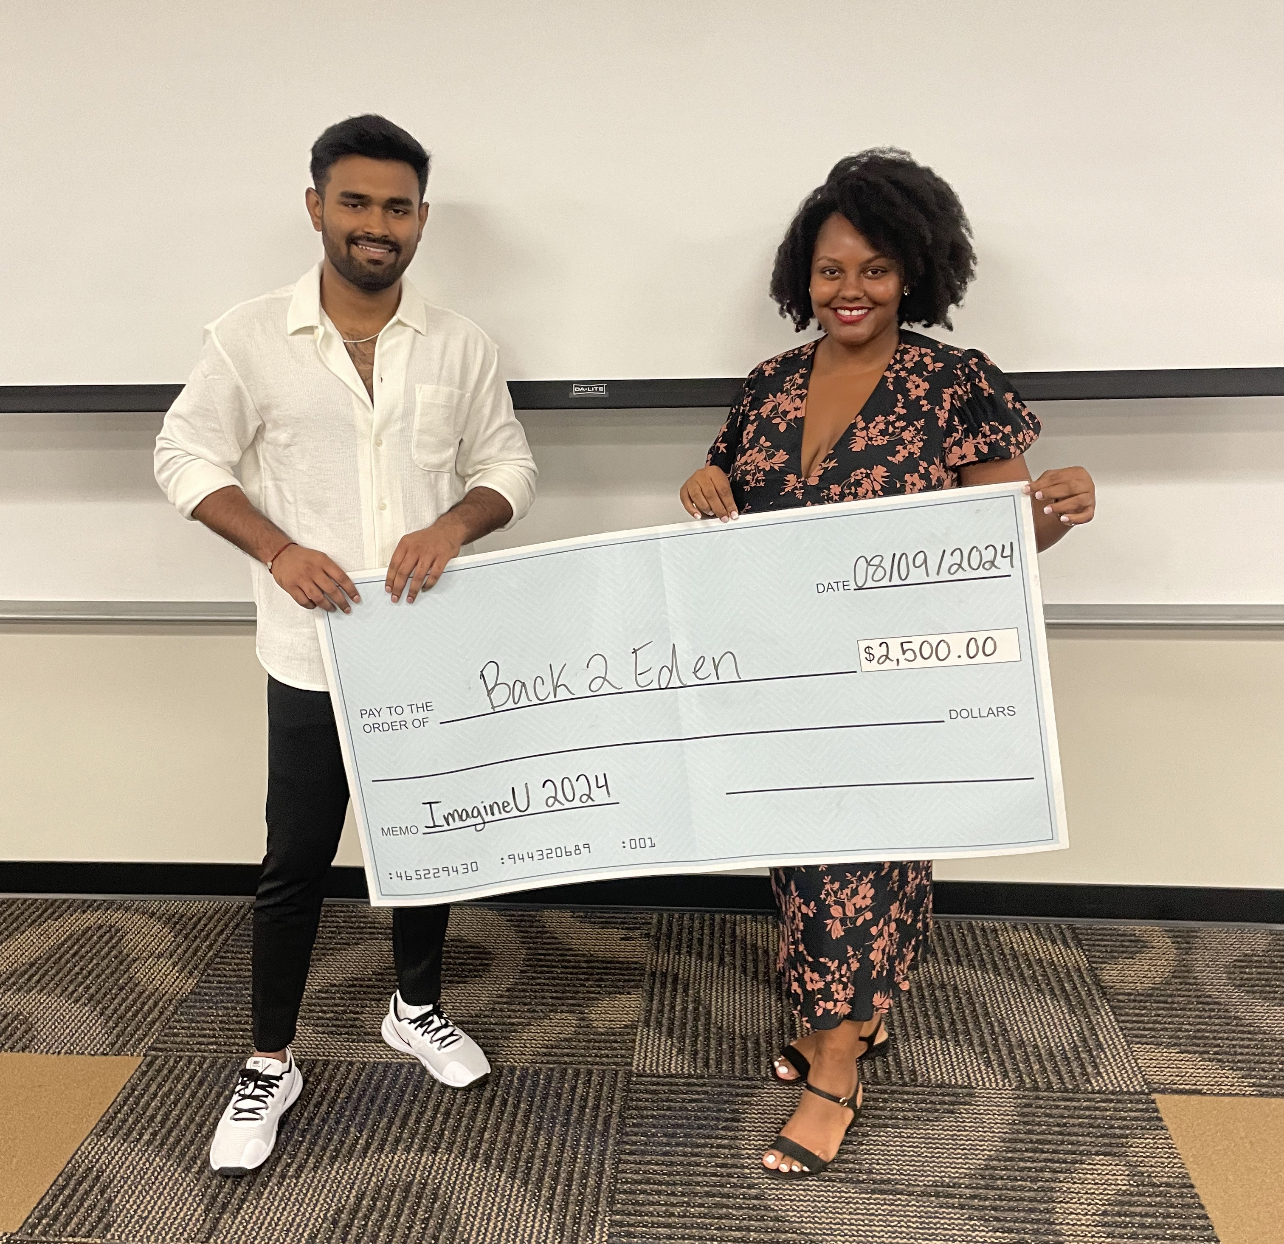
x=434, y=1028
x=253, y=1094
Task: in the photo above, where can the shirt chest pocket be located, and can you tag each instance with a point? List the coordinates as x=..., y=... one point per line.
x=438, y=427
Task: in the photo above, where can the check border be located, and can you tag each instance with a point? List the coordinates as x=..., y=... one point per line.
x=1015, y=493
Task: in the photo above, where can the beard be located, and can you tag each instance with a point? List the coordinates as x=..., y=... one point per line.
x=359, y=272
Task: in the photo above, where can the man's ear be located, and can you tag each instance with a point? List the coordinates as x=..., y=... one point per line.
x=423, y=220
x=313, y=200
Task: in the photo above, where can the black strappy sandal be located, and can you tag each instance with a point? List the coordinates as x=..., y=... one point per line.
x=811, y=1163
x=802, y=1064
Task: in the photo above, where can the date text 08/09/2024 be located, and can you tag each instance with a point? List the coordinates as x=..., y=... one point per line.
x=888, y=569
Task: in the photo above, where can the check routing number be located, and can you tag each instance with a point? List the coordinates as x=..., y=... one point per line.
x=853, y=682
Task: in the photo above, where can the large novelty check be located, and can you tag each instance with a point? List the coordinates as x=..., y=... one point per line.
x=865, y=681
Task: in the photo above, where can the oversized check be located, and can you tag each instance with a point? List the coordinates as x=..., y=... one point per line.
x=853, y=682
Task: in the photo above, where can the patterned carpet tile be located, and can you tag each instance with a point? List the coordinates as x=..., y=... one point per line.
x=371, y=1152
x=1203, y=1008
x=924, y=1166
x=993, y=1005
x=998, y=1005
x=532, y=987
x=214, y=1018
x=712, y=1004
x=83, y=976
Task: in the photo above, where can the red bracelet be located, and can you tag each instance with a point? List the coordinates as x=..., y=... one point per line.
x=278, y=553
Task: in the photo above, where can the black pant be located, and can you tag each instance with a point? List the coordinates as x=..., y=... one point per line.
x=306, y=804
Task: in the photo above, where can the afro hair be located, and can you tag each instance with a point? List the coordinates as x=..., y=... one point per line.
x=904, y=210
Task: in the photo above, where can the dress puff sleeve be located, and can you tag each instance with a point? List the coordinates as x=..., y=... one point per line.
x=726, y=445
x=988, y=421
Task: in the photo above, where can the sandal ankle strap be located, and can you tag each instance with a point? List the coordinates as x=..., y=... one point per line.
x=838, y=1101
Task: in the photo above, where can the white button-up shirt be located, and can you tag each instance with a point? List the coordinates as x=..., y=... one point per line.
x=275, y=405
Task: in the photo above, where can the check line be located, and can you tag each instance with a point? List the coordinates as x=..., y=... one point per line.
x=520, y=816
x=979, y=578
x=782, y=790
x=603, y=695
x=688, y=738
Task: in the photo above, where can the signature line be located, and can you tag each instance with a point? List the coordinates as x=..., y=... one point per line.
x=689, y=738
x=781, y=790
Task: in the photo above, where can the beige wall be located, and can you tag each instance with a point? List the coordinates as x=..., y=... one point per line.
x=1170, y=747
x=147, y=743
x=131, y=743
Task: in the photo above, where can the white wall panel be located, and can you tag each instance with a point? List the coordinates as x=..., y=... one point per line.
x=612, y=178
x=1191, y=501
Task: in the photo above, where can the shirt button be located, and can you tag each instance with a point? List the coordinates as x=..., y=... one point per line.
x=378, y=442
x=383, y=505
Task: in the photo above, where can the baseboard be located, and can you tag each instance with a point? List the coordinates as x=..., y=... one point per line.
x=714, y=892
x=1129, y=903
x=118, y=880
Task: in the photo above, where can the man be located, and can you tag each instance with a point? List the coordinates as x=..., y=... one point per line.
x=366, y=427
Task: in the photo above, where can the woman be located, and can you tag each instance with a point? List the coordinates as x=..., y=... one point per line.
x=868, y=410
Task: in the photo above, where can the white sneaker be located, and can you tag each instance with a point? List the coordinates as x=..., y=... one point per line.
x=449, y=1053
x=246, y=1133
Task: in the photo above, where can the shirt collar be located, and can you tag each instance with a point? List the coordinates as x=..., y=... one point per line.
x=412, y=310
x=305, y=305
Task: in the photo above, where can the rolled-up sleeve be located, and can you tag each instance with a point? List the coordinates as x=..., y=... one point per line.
x=206, y=431
x=494, y=453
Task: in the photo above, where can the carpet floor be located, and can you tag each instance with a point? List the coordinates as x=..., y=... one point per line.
x=630, y=1101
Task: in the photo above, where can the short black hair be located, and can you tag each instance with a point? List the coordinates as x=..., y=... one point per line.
x=372, y=136
x=905, y=210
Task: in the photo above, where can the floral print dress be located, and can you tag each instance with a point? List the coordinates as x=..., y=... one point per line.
x=850, y=934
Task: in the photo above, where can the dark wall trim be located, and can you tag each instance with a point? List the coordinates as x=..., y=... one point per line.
x=717, y=392
x=1061, y=386
x=1133, y=903
x=78, y=399
x=1035, y=386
